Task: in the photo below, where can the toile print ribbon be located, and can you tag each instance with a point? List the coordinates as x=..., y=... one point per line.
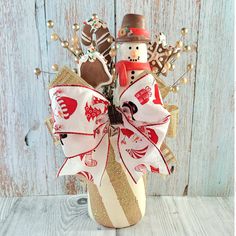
x=82, y=122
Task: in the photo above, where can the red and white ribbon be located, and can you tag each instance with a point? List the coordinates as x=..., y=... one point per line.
x=81, y=119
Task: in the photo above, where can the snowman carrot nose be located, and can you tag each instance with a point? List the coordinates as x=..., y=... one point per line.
x=134, y=53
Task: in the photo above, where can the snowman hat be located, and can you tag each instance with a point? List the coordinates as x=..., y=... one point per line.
x=133, y=29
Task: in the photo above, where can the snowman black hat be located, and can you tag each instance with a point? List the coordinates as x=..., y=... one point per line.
x=133, y=29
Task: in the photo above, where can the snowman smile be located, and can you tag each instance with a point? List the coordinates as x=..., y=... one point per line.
x=134, y=59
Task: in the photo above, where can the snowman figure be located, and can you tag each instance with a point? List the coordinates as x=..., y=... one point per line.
x=134, y=56
x=132, y=53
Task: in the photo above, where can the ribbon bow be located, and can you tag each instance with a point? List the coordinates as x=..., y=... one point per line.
x=82, y=122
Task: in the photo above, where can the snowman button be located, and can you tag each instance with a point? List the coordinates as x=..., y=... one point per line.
x=132, y=72
x=132, y=77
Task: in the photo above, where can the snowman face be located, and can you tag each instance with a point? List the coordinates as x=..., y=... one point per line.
x=133, y=52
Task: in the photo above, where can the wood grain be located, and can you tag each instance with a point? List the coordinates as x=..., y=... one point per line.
x=6, y=206
x=50, y=216
x=23, y=162
x=67, y=215
x=212, y=156
x=184, y=216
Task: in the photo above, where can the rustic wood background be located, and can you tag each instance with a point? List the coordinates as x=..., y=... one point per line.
x=204, y=145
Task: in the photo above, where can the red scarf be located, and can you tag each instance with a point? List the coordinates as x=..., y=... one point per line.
x=123, y=66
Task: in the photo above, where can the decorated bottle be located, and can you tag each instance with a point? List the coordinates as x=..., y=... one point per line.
x=113, y=145
x=120, y=201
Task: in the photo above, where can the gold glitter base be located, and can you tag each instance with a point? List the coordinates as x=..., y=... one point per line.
x=124, y=193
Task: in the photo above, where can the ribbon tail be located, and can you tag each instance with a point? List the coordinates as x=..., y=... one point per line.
x=90, y=164
x=139, y=154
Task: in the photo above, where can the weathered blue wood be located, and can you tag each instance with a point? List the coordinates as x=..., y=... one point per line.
x=212, y=155
x=24, y=148
x=67, y=215
x=28, y=159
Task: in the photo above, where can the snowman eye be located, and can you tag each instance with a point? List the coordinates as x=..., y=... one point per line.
x=130, y=47
x=137, y=48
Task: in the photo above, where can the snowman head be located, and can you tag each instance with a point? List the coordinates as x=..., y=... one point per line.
x=133, y=52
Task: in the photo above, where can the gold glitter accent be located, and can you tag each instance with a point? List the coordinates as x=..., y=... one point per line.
x=124, y=192
x=168, y=155
x=98, y=209
x=174, y=111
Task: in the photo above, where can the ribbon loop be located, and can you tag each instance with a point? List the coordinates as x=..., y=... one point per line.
x=77, y=109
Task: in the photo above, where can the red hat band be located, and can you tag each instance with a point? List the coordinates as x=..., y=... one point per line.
x=133, y=31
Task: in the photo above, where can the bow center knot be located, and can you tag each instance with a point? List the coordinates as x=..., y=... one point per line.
x=115, y=116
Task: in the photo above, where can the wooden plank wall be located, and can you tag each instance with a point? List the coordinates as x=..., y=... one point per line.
x=212, y=158
x=204, y=144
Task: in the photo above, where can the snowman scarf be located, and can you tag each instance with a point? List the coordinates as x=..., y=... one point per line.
x=82, y=122
x=123, y=66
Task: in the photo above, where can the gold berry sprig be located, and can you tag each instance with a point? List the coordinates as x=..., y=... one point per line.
x=181, y=80
x=180, y=47
x=73, y=47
